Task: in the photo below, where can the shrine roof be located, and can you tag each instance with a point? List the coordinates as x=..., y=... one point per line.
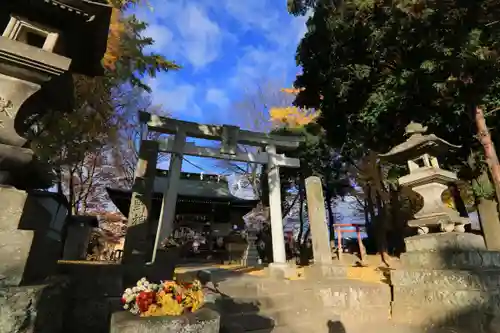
x=200, y=188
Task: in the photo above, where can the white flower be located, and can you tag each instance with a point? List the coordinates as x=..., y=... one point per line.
x=126, y=306
x=128, y=291
x=135, y=289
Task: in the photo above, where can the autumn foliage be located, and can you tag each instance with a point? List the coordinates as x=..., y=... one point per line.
x=291, y=116
x=116, y=29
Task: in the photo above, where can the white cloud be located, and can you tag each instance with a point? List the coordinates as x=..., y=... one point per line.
x=201, y=37
x=217, y=97
x=255, y=14
x=182, y=29
x=162, y=36
x=176, y=99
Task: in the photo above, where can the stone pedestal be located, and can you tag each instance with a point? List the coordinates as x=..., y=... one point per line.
x=445, y=241
x=201, y=321
x=281, y=271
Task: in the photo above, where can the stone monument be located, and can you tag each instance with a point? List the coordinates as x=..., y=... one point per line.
x=43, y=43
x=323, y=266
x=447, y=277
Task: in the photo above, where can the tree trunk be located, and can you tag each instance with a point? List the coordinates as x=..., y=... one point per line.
x=381, y=228
x=71, y=193
x=489, y=149
x=331, y=216
x=398, y=224
x=301, y=213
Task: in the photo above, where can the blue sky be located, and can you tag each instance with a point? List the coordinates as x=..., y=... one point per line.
x=226, y=48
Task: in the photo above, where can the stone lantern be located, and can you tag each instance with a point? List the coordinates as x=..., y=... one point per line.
x=42, y=43
x=426, y=177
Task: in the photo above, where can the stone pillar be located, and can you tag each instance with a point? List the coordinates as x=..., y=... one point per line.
x=167, y=215
x=137, y=241
x=317, y=221
x=279, y=268
x=278, y=237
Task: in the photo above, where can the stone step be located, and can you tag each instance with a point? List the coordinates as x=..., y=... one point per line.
x=343, y=293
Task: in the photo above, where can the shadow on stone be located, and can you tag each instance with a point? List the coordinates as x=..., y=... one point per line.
x=335, y=327
x=239, y=317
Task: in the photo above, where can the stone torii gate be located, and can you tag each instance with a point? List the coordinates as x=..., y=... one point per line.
x=230, y=136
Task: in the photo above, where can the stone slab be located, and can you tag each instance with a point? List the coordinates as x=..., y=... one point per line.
x=202, y=321
x=451, y=259
x=447, y=279
x=445, y=241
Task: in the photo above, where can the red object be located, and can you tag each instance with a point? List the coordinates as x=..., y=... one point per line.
x=178, y=298
x=124, y=300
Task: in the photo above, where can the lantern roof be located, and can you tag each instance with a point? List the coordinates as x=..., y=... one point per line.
x=417, y=144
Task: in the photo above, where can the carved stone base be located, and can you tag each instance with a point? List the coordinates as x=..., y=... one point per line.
x=445, y=241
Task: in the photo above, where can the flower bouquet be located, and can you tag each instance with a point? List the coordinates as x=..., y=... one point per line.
x=168, y=298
